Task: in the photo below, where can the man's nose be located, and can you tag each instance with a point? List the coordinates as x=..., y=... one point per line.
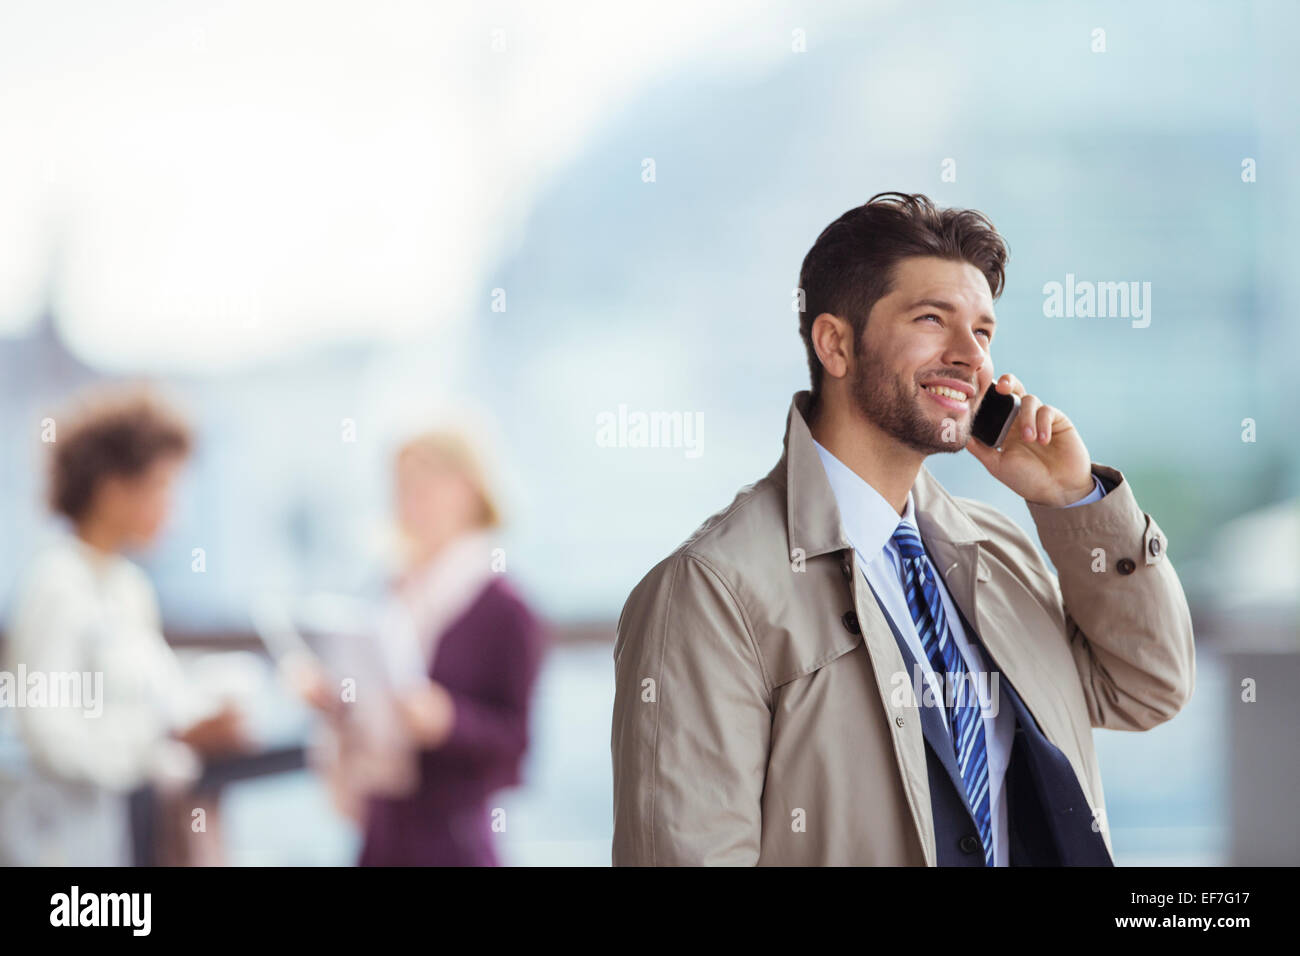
x=969, y=354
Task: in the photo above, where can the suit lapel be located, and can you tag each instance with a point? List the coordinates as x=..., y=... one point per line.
x=932, y=722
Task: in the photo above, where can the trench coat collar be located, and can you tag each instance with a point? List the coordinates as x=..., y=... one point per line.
x=813, y=518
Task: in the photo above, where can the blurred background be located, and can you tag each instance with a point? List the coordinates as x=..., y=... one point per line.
x=319, y=226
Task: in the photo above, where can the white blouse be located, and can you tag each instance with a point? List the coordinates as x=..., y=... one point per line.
x=88, y=623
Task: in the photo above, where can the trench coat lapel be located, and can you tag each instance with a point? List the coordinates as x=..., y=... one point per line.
x=932, y=723
x=814, y=528
x=958, y=552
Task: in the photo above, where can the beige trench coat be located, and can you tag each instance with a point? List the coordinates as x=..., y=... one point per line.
x=752, y=726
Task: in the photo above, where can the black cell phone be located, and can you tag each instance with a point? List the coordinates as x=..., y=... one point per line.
x=993, y=421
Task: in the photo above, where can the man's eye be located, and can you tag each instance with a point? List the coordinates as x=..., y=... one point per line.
x=987, y=334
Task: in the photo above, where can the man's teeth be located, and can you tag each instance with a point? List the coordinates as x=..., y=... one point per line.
x=946, y=392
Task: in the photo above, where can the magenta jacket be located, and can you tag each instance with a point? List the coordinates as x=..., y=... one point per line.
x=488, y=659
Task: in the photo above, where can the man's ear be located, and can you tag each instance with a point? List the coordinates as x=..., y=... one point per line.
x=832, y=338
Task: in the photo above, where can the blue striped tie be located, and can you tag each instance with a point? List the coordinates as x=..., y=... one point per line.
x=964, y=715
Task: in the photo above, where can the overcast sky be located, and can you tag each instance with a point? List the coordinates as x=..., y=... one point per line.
x=225, y=183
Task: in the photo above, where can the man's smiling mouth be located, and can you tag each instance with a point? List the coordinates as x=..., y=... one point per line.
x=944, y=390
x=949, y=398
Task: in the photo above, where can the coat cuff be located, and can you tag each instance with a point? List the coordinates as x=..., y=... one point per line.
x=1098, y=492
x=1116, y=510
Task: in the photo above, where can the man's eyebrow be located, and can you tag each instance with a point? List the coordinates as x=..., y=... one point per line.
x=947, y=307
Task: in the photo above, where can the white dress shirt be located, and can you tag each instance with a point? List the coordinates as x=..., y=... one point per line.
x=869, y=523
x=82, y=612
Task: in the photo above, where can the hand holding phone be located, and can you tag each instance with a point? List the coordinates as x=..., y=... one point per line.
x=1048, y=466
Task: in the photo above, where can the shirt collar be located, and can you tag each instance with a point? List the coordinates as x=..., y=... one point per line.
x=813, y=524
x=869, y=520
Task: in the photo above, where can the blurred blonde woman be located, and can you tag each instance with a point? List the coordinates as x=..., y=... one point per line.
x=465, y=723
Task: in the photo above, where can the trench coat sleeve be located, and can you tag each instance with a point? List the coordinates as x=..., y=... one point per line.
x=1122, y=606
x=691, y=722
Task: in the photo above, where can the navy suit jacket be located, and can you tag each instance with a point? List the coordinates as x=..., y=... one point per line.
x=1048, y=819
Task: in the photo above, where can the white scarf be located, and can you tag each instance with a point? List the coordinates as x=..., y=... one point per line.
x=446, y=588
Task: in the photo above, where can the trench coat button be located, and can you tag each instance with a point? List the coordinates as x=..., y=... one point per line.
x=1125, y=566
x=850, y=622
x=1154, y=547
x=899, y=720
x=968, y=844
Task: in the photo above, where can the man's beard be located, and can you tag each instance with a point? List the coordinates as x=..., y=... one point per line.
x=884, y=401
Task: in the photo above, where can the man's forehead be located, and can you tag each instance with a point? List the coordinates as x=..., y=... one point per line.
x=940, y=284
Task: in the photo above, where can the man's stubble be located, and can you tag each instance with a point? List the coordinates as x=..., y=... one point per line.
x=883, y=400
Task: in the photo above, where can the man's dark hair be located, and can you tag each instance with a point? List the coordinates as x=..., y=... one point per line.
x=851, y=265
x=120, y=433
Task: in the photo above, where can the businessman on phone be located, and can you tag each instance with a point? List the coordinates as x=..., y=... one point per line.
x=848, y=665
